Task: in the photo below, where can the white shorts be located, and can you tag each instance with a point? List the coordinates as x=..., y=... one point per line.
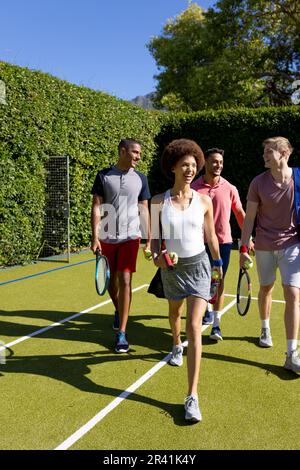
x=288, y=262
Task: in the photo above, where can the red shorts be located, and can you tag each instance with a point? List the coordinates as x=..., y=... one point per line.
x=122, y=256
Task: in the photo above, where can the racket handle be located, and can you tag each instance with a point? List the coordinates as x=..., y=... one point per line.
x=168, y=261
x=213, y=292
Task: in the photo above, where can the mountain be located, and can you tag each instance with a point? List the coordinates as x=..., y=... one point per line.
x=145, y=102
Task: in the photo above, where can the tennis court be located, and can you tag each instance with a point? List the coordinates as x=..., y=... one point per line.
x=64, y=387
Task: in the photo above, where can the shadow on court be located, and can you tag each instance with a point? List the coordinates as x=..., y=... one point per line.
x=93, y=328
x=279, y=371
x=249, y=339
x=73, y=370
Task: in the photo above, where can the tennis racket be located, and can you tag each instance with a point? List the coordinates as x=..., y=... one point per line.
x=169, y=262
x=243, y=293
x=213, y=292
x=102, y=273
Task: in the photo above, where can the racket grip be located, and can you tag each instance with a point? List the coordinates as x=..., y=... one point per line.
x=168, y=261
x=213, y=292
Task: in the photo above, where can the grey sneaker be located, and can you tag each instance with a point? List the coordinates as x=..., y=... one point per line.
x=292, y=361
x=176, y=357
x=265, y=339
x=192, y=411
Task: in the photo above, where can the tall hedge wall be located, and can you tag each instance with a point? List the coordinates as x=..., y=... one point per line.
x=240, y=132
x=44, y=116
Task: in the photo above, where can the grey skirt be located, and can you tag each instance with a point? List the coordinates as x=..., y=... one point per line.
x=190, y=276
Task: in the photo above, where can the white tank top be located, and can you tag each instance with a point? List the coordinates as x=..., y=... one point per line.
x=183, y=229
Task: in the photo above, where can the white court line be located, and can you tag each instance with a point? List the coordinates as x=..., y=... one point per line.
x=53, y=325
x=99, y=416
x=256, y=298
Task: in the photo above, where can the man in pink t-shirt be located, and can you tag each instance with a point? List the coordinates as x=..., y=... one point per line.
x=225, y=198
x=271, y=201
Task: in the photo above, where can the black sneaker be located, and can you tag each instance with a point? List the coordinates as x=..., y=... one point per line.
x=116, y=323
x=122, y=345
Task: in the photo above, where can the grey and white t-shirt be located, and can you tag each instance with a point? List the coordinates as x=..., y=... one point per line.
x=121, y=192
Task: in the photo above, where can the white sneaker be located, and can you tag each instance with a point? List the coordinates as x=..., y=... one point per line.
x=265, y=339
x=176, y=357
x=192, y=411
x=292, y=361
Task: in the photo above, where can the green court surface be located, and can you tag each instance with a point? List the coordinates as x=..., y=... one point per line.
x=56, y=381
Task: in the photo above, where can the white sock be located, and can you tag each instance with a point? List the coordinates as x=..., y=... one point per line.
x=265, y=323
x=209, y=307
x=217, y=318
x=291, y=345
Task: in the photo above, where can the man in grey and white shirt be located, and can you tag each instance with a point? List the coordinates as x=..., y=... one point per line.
x=120, y=202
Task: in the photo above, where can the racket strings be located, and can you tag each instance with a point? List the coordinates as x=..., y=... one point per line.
x=102, y=275
x=244, y=294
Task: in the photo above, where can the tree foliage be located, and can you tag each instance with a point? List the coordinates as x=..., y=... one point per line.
x=240, y=53
x=43, y=116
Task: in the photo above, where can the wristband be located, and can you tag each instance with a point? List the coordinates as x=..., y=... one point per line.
x=243, y=249
x=218, y=263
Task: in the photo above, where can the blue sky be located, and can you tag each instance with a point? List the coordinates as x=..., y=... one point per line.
x=95, y=43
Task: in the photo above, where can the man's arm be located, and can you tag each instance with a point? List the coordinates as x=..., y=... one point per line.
x=240, y=216
x=158, y=258
x=95, y=222
x=145, y=222
x=251, y=212
x=210, y=234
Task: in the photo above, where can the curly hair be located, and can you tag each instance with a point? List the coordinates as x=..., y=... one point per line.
x=177, y=149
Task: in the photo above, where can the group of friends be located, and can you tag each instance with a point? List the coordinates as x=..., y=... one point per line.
x=193, y=218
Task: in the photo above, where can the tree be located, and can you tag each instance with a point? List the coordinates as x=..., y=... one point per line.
x=177, y=52
x=242, y=52
x=274, y=27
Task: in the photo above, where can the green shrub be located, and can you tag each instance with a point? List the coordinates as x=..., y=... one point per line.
x=44, y=116
x=240, y=132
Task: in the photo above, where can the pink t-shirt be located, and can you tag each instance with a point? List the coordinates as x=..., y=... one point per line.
x=276, y=228
x=225, y=197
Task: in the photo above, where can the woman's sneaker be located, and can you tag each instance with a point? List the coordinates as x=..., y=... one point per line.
x=192, y=410
x=122, y=345
x=216, y=333
x=176, y=356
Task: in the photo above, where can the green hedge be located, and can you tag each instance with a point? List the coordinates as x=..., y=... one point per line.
x=240, y=132
x=45, y=116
